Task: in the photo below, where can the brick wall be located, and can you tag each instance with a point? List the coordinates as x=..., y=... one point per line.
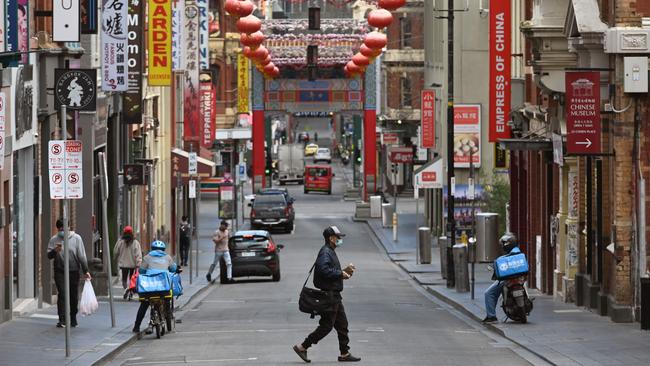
x=394, y=90
x=417, y=29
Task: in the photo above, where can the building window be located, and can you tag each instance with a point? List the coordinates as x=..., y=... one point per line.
x=405, y=32
x=405, y=88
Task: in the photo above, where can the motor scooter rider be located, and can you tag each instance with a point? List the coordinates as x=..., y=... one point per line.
x=156, y=261
x=508, y=242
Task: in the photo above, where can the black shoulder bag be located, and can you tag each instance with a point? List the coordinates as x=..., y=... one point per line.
x=314, y=301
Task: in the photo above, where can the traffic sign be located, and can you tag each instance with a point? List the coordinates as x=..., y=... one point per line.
x=401, y=155
x=192, y=189
x=583, y=112
x=65, y=169
x=192, y=166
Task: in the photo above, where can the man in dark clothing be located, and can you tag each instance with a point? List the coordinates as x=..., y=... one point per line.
x=328, y=276
x=186, y=235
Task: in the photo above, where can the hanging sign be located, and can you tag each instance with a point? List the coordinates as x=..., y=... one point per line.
x=3, y=44
x=3, y=101
x=499, y=82
x=11, y=27
x=160, y=43
x=207, y=114
x=467, y=135
x=178, y=15
x=428, y=120
x=204, y=49
x=23, y=30
x=389, y=138
x=66, y=20
x=400, y=155
x=191, y=114
x=583, y=112
x=65, y=169
x=430, y=175
x=75, y=88
x=132, y=98
x=114, y=45
x=242, y=84
x=89, y=16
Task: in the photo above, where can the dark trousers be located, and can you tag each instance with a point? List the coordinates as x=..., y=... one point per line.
x=142, y=311
x=185, y=251
x=126, y=276
x=59, y=280
x=332, y=319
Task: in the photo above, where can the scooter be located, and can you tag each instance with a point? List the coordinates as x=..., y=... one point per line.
x=516, y=303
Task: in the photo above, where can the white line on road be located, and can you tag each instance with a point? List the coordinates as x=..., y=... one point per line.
x=568, y=311
x=44, y=316
x=192, y=361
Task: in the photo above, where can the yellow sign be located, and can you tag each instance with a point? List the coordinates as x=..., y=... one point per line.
x=160, y=42
x=242, y=84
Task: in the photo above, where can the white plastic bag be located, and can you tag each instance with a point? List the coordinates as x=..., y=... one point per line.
x=88, y=304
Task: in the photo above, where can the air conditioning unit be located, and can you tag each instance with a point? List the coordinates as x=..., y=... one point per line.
x=627, y=40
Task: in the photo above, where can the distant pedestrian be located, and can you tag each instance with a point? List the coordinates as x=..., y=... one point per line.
x=186, y=239
x=77, y=262
x=315, y=136
x=220, y=239
x=128, y=253
x=328, y=276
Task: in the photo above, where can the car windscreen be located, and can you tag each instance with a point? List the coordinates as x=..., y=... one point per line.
x=249, y=241
x=317, y=172
x=269, y=200
x=323, y=151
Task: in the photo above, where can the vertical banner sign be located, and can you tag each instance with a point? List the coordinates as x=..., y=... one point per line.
x=583, y=112
x=207, y=114
x=3, y=100
x=114, y=45
x=499, y=84
x=11, y=26
x=132, y=99
x=191, y=115
x=242, y=84
x=204, y=53
x=66, y=20
x=428, y=122
x=88, y=16
x=159, y=45
x=178, y=14
x=3, y=43
x=467, y=135
x=23, y=30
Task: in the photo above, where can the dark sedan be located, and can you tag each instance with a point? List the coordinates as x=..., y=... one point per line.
x=272, y=211
x=253, y=253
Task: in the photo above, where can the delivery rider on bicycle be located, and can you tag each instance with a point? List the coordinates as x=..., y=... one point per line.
x=156, y=261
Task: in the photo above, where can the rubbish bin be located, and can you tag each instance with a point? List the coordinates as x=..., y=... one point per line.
x=424, y=245
x=375, y=207
x=442, y=244
x=387, y=215
x=645, y=303
x=461, y=273
x=487, y=241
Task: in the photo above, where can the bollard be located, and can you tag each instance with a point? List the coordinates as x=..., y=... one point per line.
x=386, y=214
x=424, y=245
x=461, y=274
x=394, y=226
x=442, y=244
x=471, y=255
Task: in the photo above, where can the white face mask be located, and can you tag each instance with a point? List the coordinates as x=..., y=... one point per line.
x=339, y=242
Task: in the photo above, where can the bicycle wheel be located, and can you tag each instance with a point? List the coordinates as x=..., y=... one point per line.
x=156, y=321
x=169, y=315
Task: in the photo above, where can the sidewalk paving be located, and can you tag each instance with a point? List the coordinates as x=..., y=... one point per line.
x=33, y=339
x=562, y=334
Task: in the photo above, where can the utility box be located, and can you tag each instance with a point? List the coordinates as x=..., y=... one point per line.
x=375, y=207
x=487, y=242
x=635, y=74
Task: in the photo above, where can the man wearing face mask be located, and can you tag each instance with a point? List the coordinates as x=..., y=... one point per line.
x=328, y=276
x=78, y=262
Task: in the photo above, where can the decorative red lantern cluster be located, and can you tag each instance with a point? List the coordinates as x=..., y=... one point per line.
x=374, y=41
x=251, y=35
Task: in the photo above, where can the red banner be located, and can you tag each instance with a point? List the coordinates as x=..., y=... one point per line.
x=207, y=114
x=499, y=84
x=428, y=119
x=402, y=155
x=583, y=112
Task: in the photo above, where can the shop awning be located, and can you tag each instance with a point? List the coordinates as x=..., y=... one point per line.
x=180, y=161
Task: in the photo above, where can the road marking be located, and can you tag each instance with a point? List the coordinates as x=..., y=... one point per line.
x=243, y=331
x=568, y=311
x=44, y=316
x=192, y=361
x=466, y=331
x=375, y=329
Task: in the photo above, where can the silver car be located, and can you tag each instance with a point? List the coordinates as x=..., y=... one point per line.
x=323, y=154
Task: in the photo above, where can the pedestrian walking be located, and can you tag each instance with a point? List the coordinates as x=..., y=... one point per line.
x=328, y=276
x=77, y=262
x=220, y=239
x=128, y=253
x=186, y=237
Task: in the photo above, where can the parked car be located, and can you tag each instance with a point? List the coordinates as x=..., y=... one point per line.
x=271, y=211
x=318, y=178
x=311, y=149
x=253, y=253
x=323, y=154
x=282, y=191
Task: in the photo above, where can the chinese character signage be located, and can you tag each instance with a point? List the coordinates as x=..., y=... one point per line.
x=242, y=84
x=192, y=125
x=204, y=53
x=583, y=112
x=467, y=135
x=499, y=81
x=207, y=113
x=114, y=45
x=178, y=14
x=159, y=45
x=132, y=99
x=428, y=119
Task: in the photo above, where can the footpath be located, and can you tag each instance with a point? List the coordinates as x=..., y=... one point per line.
x=33, y=338
x=562, y=334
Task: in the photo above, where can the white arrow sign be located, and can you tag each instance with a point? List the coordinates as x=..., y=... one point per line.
x=587, y=143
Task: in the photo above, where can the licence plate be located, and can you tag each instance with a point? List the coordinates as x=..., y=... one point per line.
x=247, y=254
x=518, y=293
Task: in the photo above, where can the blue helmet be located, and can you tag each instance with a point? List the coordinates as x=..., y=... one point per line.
x=158, y=245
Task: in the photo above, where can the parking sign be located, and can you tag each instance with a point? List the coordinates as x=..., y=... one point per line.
x=65, y=169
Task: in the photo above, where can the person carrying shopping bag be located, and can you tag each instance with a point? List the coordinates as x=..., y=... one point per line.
x=128, y=253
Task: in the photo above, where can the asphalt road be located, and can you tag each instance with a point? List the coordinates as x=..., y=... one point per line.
x=392, y=321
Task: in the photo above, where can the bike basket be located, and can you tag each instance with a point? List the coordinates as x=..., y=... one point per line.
x=155, y=283
x=509, y=266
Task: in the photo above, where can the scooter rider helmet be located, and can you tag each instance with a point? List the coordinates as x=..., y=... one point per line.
x=508, y=242
x=158, y=245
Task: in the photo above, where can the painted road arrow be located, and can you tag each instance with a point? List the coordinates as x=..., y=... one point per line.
x=586, y=143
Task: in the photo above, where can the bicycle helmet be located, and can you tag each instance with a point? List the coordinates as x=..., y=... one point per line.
x=508, y=242
x=158, y=245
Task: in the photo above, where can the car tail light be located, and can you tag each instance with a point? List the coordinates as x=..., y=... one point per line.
x=286, y=211
x=270, y=248
x=253, y=214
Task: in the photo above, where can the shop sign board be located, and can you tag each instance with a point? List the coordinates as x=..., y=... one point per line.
x=207, y=114
x=499, y=73
x=191, y=111
x=178, y=15
x=430, y=175
x=65, y=169
x=204, y=53
x=242, y=84
x=402, y=155
x=132, y=98
x=583, y=112
x=428, y=119
x=160, y=43
x=2, y=30
x=66, y=21
x=114, y=44
x=389, y=138
x=467, y=135
x=76, y=89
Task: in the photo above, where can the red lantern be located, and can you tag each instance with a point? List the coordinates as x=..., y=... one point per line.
x=260, y=53
x=369, y=52
x=353, y=68
x=246, y=8
x=269, y=68
x=276, y=72
x=391, y=4
x=380, y=18
x=360, y=60
x=375, y=40
x=266, y=61
x=232, y=7
x=252, y=40
x=249, y=24
x=247, y=52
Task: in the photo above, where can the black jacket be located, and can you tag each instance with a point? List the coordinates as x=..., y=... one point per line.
x=328, y=275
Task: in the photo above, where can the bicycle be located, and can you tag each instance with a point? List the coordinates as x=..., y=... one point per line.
x=161, y=313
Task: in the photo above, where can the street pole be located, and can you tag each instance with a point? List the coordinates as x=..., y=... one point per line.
x=107, y=254
x=196, y=233
x=451, y=222
x=66, y=232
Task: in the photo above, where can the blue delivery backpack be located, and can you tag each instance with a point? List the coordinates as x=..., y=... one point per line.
x=513, y=264
x=177, y=286
x=150, y=284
